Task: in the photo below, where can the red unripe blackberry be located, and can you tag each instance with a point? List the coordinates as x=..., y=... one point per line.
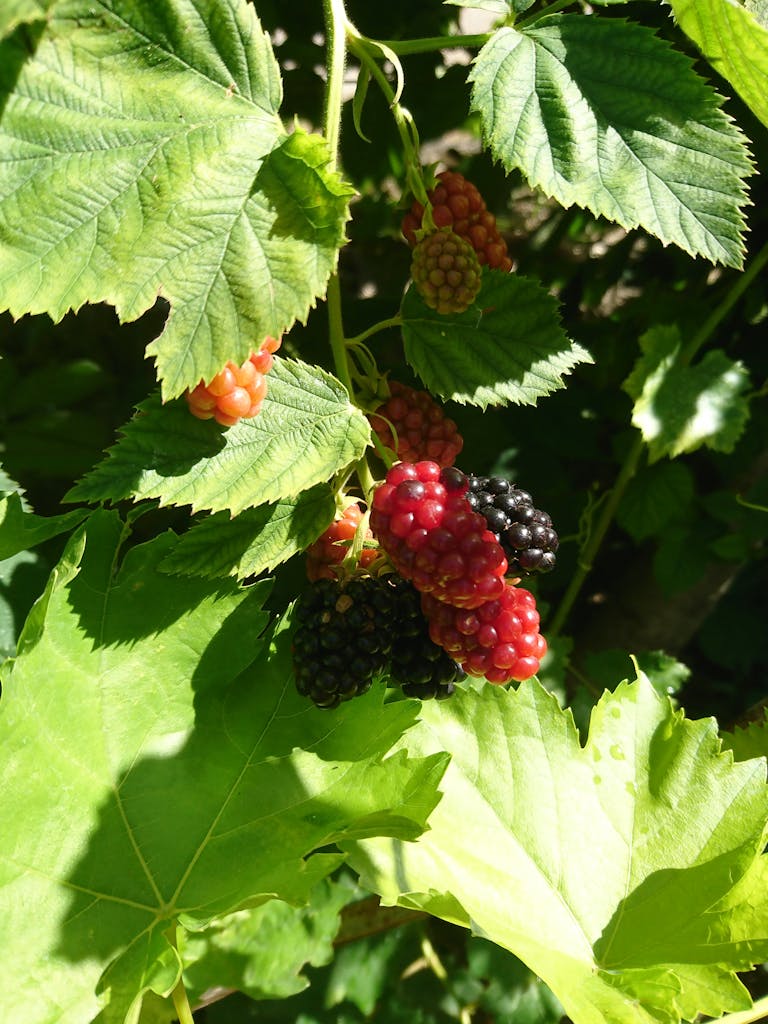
x=332, y=546
x=446, y=272
x=525, y=533
x=236, y=392
x=457, y=204
x=423, y=430
x=342, y=639
x=500, y=640
x=422, y=520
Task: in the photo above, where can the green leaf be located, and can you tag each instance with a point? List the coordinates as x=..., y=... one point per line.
x=306, y=432
x=262, y=951
x=159, y=766
x=680, y=408
x=256, y=540
x=680, y=559
x=508, y=347
x=16, y=12
x=656, y=496
x=153, y=132
x=21, y=530
x=748, y=741
x=605, y=115
x=734, y=39
x=626, y=873
x=665, y=673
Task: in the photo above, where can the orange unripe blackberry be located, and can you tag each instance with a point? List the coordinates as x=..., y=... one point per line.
x=236, y=392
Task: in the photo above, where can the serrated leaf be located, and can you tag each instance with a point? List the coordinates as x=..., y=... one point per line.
x=21, y=530
x=682, y=408
x=626, y=873
x=306, y=432
x=748, y=741
x=256, y=540
x=508, y=347
x=655, y=496
x=153, y=132
x=734, y=39
x=605, y=115
x=158, y=767
x=262, y=951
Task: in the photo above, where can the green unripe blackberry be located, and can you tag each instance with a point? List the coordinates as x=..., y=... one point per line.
x=446, y=272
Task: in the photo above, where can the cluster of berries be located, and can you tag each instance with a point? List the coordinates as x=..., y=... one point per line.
x=332, y=546
x=457, y=205
x=236, y=392
x=423, y=519
x=421, y=428
x=348, y=632
x=525, y=533
x=447, y=261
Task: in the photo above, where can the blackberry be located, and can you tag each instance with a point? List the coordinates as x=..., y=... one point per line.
x=342, y=638
x=457, y=204
x=446, y=272
x=332, y=546
x=421, y=667
x=525, y=533
x=422, y=520
x=423, y=430
x=500, y=640
x=236, y=392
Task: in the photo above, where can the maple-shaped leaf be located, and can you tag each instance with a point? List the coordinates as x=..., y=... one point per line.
x=604, y=114
x=627, y=872
x=160, y=770
x=306, y=432
x=509, y=347
x=152, y=132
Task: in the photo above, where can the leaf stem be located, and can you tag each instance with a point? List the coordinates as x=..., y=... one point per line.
x=382, y=325
x=181, y=1003
x=635, y=453
x=758, y=1011
x=553, y=8
x=404, y=47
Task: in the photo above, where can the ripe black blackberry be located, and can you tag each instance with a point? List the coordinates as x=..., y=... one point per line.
x=525, y=532
x=417, y=664
x=342, y=638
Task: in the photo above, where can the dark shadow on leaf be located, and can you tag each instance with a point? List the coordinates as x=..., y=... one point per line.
x=15, y=51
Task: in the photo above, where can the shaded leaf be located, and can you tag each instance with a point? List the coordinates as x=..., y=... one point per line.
x=262, y=951
x=626, y=873
x=21, y=530
x=508, y=347
x=159, y=767
x=656, y=495
x=153, y=131
x=734, y=39
x=748, y=741
x=306, y=432
x=605, y=115
x=255, y=540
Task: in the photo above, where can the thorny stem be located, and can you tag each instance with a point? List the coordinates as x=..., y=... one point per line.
x=635, y=453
